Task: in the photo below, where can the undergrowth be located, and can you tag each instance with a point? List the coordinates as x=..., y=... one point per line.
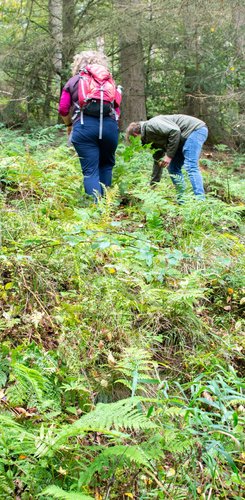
x=122, y=344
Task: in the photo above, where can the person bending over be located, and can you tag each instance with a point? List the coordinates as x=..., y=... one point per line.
x=93, y=130
x=178, y=140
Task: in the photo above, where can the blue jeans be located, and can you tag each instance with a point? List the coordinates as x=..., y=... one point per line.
x=97, y=156
x=188, y=157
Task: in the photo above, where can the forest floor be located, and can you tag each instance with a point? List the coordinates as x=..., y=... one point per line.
x=122, y=335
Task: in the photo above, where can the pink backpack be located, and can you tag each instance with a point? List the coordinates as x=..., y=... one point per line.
x=97, y=92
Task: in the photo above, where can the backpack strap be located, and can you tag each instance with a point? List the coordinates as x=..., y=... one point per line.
x=77, y=110
x=101, y=111
x=82, y=78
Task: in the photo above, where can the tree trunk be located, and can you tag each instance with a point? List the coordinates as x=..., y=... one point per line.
x=238, y=13
x=69, y=38
x=131, y=65
x=56, y=30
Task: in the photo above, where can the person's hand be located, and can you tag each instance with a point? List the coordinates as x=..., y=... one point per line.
x=69, y=129
x=165, y=162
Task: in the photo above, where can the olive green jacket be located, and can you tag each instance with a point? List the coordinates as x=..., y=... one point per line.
x=168, y=132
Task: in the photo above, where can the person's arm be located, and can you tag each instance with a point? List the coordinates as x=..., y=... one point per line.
x=173, y=141
x=64, y=109
x=117, y=102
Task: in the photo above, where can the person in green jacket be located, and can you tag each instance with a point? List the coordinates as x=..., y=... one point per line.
x=178, y=141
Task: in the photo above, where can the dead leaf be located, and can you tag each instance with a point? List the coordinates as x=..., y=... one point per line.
x=2, y=394
x=207, y=396
x=111, y=360
x=170, y=472
x=227, y=308
x=20, y=410
x=63, y=472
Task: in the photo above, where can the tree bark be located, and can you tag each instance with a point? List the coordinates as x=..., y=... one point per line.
x=69, y=38
x=56, y=30
x=131, y=65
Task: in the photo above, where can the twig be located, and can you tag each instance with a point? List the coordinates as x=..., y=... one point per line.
x=19, y=99
x=226, y=434
x=151, y=474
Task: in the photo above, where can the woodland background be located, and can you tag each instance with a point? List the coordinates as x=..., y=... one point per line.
x=170, y=56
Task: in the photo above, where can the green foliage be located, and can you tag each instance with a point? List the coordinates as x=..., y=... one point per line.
x=121, y=358
x=56, y=492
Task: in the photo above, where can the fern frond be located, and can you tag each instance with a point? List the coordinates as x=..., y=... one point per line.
x=29, y=378
x=6, y=488
x=106, y=418
x=123, y=414
x=31, y=385
x=177, y=442
x=57, y=492
x=9, y=422
x=118, y=455
x=237, y=401
x=19, y=440
x=175, y=411
x=187, y=294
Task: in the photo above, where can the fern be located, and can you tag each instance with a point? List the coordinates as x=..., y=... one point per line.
x=6, y=488
x=30, y=385
x=189, y=295
x=9, y=422
x=116, y=455
x=29, y=379
x=124, y=414
x=106, y=418
x=136, y=364
x=16, y=440
x=56, y=492
x=177, y=442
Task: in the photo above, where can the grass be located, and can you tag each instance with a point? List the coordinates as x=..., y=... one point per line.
x=122, y=345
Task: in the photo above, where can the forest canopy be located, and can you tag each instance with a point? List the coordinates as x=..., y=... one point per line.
x=170, y=56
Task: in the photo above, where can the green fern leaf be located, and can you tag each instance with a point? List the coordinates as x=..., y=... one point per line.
x=118, y=454
x=106, y=418
x=56, y=492
x=31, y=386
x=19, y=440
x=124, y=414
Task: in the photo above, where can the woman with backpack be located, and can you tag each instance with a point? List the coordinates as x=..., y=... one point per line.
x=89, y=106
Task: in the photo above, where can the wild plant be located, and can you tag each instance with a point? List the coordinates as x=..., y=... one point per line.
x=122, y=348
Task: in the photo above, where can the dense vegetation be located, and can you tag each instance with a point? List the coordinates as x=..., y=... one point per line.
x=122, y=352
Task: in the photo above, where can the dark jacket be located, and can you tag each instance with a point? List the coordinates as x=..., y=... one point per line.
x=168, y=132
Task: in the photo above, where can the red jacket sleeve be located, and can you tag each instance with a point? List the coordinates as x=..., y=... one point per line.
x=65, y=103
